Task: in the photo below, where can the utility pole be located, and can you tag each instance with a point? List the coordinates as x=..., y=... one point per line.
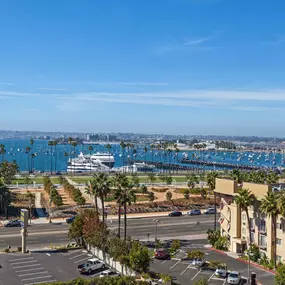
x=215, y=214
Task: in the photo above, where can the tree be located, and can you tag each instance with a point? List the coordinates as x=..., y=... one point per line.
x=280, y=275
x=135, y=180
x=28, y=181
x=145, y=149
x=104, y=187
x=74, y=144
x=269, y=207
x=139, y=257
x=8, y=170
x=33, y=156
x=143, y=189
x=192, y=180
x=211, y=179
x=55, y=143
x=186, y=194
x=151, y=177
x=237, y=175
x=123, y=147
x=5, y=197
x=151, y=196
x=168, y=179
x=175, y=245
x=168, y=196
x=28, y=149
x=92, y=189
x=31, y=202
x=244, y=200
x=66, y=155
x=90, y=148
x=119, y=181
x=2, y=151
x=76, y=229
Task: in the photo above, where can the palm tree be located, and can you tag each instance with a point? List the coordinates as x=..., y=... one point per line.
x=119, y=181
x=5, y=198
x=169, y=152
x=90, y=148
x=211, y=179
x=55, y=143
x=92, y=189
x=104, y=186
x=152, y=147
x=70, y=140
x=74, y=144
x=145, y=152
x=244, y=200
x=31, y=202
x=28, y=149
x=269, y=207
x=123, y=146
x=66, y=155
x=33, y=155
x=177, y=150
x=236, y=174
x=2, y=151
x=50, y=143
x=109, y=147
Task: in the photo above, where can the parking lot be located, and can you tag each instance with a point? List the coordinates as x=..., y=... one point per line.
x=182, y=270
x=37, y=268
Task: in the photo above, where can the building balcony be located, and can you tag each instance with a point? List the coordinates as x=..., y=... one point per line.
x=263, y=247
x=262, y=231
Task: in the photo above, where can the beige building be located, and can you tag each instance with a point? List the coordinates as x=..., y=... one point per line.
x=233, y=221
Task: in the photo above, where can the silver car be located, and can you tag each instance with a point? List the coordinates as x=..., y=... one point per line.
x=234, y=278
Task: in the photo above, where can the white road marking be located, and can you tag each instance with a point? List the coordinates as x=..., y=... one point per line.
x=196, y=275
x=71, y=252
x=35, y=273
x=185, y=270
x=77, y=256
x=211, y=276
x=26, y=266
x=77, y=261
x=32, y=269
x=49, y=281
x=163, y=261
x=19, y=259
x=41, y=277
x=225, y=281
x=175, y=264
x=31, y=261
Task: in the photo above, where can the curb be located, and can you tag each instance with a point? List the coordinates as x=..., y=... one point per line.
x=219, y=251
x=257, y=266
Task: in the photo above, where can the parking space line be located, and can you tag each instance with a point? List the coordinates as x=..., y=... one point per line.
x=77, y=261
x=41, y=277
x=185, y=270
x=175, y=264
x=19, y=259
x=49, y=281
x=31, y=269
x=225, y=281
x=73, y=257
x=164, y=261
x=22, y=266
x=211, y=276
x=196, y=275
x=35, y=273
x=96, y=274
x=30, y=261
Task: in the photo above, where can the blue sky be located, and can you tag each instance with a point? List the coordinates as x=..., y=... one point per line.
x=167, y=66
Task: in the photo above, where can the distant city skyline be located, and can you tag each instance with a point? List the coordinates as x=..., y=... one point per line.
x=174, y=67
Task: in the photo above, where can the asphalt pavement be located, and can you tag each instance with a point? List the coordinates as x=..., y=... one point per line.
x=184, y=227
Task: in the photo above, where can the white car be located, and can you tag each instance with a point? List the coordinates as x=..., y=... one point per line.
x=109, y=272
x=198, y=262
x=221, y=272
x=234, y=278
x=91, y=265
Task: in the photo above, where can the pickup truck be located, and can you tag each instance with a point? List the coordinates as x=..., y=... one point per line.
x=90, y=265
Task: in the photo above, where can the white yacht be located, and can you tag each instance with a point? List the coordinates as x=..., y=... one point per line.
x=141, y=166
x=95, y=163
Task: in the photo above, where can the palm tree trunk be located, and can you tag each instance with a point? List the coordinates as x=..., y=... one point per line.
x=119, y=220
x=274, y=239
x=96, y=204
x=125, y=220
x=103, y=210
x=248, y=224
x=29, y=162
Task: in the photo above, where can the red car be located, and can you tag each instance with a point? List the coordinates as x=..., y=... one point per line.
x=161, y=253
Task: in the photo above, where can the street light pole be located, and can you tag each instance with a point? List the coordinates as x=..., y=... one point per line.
x=50, y=202
x=156, y=222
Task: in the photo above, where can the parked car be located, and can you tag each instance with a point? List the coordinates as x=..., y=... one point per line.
x=161, y=253
x=198, y=262
x=210, y=211
x=12, y=223
x=194, y=212
x=90, y=265
x=70, y=220
x=234, y=278
x=109, y=272
x=221, y=272
x=175, y=214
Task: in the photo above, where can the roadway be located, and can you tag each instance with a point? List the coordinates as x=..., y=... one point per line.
x=43, y=235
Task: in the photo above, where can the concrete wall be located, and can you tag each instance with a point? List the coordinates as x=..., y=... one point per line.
x=226, y=186
x=259, y=190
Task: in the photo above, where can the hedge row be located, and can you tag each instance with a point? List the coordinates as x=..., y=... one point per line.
x=52, y=192
x=125, y=280
x=73, y=192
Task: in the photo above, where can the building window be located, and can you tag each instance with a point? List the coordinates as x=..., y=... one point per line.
x=252, y=237
x=278, y=258
x=278, y=241
x=244, y=217
x=243, y=231
x=262, y=241
x=262, y=226
x=278, y=226
x=251, y=223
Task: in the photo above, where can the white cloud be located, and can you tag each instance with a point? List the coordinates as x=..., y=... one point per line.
x=7, y=83
x=195, y=42
x=52, y=89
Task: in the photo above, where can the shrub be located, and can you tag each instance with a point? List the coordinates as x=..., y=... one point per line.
x=217, y=241
x=195, y=254
x=201, y=282
x=168, y=196
x=160, y=190
x=73, y=192
x=186, y=194
x=175, y=245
